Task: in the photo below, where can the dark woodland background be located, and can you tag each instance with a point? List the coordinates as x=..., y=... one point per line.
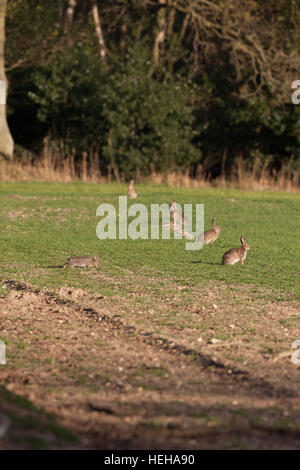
x=133, y=87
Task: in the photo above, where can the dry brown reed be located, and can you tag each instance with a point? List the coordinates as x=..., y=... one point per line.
x=51, y=168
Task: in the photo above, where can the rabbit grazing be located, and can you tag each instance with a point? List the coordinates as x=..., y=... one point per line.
x=210, y=236
x=236, y=254
x=132, y=194
x=82, y=261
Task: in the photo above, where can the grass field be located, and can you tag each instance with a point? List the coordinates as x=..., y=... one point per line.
x=178, y=349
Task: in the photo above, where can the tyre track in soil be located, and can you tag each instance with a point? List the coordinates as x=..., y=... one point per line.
x=257, y=387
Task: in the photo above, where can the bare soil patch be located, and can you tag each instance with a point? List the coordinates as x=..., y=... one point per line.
x=119, y=384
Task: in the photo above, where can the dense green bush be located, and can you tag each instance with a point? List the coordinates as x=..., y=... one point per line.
x=151, y=119
x=67, y=93
x=136, y=119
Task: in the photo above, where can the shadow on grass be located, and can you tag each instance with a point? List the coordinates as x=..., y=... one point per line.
x=221, y=426
x=55, y=267
x=31, y=427
x=208, y=263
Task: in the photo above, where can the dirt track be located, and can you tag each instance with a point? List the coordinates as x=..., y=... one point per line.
x=120, y=386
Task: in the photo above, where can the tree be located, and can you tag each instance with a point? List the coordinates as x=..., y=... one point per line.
x=70, y=13
x=6, y=141
x=156, y=85
x=98, y=30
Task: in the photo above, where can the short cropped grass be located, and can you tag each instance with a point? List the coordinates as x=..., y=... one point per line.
x=42, y=224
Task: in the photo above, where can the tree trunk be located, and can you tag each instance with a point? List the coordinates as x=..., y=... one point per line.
x=70, y=13
x=161, y=34
x=98, y=30
x=6, y=141
x=112, y=158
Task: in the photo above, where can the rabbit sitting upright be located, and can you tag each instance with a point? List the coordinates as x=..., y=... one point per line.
x=236, y=254
x=132, y=193
x=210, y=236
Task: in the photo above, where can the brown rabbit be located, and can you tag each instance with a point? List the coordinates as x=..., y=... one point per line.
x=81, y=261
x=236, y=254
x=210, y=236
x=132, y=194
x=176, y=214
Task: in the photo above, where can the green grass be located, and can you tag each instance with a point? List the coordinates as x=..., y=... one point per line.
x=57, y=220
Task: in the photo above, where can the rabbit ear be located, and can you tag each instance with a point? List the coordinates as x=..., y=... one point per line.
x=213, y=222
x=243, y=241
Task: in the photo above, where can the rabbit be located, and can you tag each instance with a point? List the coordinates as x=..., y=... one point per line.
x=81, y=261
x=176, y=228
x=179, y=222
x=176, y=214
x=132, y=194
x=236, y=254
x=210, y=236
